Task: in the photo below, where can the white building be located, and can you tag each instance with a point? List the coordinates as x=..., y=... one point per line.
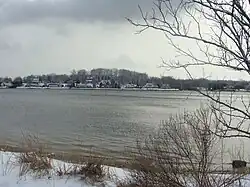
x=150, y=85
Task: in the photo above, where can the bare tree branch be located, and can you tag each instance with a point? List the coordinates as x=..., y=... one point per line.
x=181, y=154
x=224, y=43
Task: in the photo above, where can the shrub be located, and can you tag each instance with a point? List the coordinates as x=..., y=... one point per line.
x=180, y=154
x=34, y=159
x=90, y=170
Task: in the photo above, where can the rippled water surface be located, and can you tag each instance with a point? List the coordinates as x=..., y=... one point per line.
x=104, y=120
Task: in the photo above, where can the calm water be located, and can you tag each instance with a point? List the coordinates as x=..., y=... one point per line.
x=72, y=120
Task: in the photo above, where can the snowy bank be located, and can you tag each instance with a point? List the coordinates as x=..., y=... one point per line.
x=10, y=174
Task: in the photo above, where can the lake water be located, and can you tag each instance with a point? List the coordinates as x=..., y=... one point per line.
x=73, y=120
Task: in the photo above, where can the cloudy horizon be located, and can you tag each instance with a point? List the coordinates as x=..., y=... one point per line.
x=56, y=36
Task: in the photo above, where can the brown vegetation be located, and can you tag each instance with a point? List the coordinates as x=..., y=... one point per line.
x=34, y=159
x=91, y=171
x=181, y=154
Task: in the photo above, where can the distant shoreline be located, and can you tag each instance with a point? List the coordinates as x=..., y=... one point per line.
x=117, y=89
x=120, y=89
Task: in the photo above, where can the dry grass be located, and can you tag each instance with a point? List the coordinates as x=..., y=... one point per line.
x=32, y=162
x=34, y=159
x=91, y=170
x=66, y=170
x=127, y=184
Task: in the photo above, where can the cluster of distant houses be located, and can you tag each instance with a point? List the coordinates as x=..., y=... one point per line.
x=36, y=83
x=90, y=83
x=147, y=86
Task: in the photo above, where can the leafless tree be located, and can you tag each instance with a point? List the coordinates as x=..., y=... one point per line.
x=182, y=153
x=220, y=29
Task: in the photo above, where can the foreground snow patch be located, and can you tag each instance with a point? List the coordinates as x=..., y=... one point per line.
x=10, y=175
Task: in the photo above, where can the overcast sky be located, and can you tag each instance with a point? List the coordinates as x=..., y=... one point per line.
x=56, y=36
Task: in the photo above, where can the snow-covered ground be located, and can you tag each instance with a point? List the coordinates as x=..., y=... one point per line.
x=10, y=175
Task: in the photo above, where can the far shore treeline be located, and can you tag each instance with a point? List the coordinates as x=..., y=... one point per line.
x=118, y=77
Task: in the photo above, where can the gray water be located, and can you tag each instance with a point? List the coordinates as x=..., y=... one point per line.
x=73, y=120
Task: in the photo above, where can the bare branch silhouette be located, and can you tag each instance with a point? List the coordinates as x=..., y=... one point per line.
x=224, y=42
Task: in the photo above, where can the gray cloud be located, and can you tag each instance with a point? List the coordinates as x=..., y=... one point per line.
x=123, y=61
x=19, y=11
x=42, y=36
x=5, y=45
